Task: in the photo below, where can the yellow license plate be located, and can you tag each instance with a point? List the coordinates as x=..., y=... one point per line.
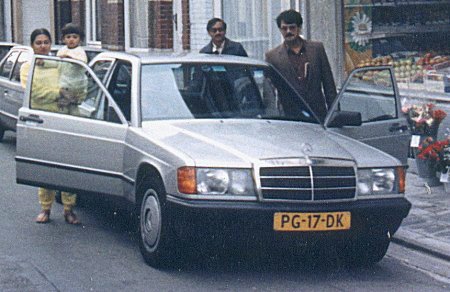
x=287, y=221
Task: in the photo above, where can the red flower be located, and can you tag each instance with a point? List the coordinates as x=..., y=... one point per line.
x=438, y=115
x=432, y=150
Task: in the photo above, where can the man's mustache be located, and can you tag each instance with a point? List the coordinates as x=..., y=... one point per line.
x=289, y=35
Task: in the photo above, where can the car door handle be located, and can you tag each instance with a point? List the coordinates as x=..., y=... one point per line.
x=32, y=118
x=398, y=128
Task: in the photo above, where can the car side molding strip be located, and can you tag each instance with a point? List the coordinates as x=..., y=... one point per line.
x=76, y=168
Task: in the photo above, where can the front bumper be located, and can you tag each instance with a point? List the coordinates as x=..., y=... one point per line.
x=255, y=218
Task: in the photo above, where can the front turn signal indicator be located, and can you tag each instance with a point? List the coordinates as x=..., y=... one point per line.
x=186, y=180
x=401, y=173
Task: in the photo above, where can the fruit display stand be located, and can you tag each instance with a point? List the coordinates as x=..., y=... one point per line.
x=422, y=81
x=412, y=36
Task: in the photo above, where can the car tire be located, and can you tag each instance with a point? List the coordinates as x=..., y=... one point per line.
x=58, y=197
x=2, y=133
x=367, y=250
x=156, y=239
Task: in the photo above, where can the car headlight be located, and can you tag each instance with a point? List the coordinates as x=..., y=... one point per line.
x=216, y=181
x=380, y=181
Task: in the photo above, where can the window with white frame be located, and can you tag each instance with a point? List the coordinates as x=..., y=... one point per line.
x=252, y=23
x=138, y=24
x=93, y=22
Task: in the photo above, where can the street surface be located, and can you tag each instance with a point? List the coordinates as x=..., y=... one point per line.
x=103, y=255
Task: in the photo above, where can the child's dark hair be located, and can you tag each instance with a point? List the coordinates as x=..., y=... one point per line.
x=70, y=28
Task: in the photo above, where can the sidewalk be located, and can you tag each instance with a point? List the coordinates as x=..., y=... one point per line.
x=427, y=227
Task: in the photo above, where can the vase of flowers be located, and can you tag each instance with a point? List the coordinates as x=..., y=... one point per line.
x=430, y=159
x=424, y=119
x=445, y=172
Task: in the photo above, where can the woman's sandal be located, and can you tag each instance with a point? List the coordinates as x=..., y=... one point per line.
x=43, y=217
x=71, y=218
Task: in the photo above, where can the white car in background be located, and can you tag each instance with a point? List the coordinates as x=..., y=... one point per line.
x=11, y=91
x=5, y=47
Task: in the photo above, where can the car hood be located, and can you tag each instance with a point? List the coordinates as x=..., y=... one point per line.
x=241, y=143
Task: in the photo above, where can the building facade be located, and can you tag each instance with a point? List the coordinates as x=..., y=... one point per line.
x=355, y=32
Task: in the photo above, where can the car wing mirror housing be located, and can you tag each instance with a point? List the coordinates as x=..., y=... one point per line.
x=340, y=119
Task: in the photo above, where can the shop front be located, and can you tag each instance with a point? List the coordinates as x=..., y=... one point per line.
x=413, y=36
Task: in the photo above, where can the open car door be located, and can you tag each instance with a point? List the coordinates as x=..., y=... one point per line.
x=368, y=109
x=76, y=146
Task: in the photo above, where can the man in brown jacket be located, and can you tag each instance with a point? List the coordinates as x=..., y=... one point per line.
x=304, y=64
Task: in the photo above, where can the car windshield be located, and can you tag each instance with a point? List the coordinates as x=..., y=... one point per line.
x=208, y=91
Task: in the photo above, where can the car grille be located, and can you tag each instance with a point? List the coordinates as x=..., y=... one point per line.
x=308, y=183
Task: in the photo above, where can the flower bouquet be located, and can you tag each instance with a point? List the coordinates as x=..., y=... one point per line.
x=424, y=120
x=433, y=151
x=430, y=159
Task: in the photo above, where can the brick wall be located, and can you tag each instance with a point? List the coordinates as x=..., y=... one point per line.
x=160, y=24
x=112, y=25
x=186, y=38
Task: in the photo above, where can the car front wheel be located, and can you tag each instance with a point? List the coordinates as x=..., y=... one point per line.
x=156, y=241
x=368, y=250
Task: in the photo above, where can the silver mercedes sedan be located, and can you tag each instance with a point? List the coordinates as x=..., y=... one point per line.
x=220, y=145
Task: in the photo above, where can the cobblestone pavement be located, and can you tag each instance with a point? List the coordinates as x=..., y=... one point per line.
x=427, y=226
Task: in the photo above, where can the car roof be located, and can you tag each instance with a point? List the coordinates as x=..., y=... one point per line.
x=22, y=47
x=7, y=44
x=86, y=48
x=160, y=58
x=55, y=48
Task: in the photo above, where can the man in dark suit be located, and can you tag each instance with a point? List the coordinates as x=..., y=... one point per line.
x=304, y=64
x=219, y=44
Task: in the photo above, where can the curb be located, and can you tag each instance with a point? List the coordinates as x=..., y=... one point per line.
x=422, y=243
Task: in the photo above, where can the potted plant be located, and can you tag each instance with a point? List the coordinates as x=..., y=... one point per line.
x=429, y=159
x=424, y=119
x=445, y=166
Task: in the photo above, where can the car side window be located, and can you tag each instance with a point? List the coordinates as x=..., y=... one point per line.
x=4, y=51
x=90, y=53
x=120, y=87
x=68, y=88
x=23, y=57
x=8, y=64
x=100, y=69
x=371, y=92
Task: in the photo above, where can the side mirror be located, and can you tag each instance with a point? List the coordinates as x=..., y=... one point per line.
x=340, y=119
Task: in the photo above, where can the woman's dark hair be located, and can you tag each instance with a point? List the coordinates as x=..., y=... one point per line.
x=290, y=16
x=213, y=21
x=70, y=28
x=39, y=31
